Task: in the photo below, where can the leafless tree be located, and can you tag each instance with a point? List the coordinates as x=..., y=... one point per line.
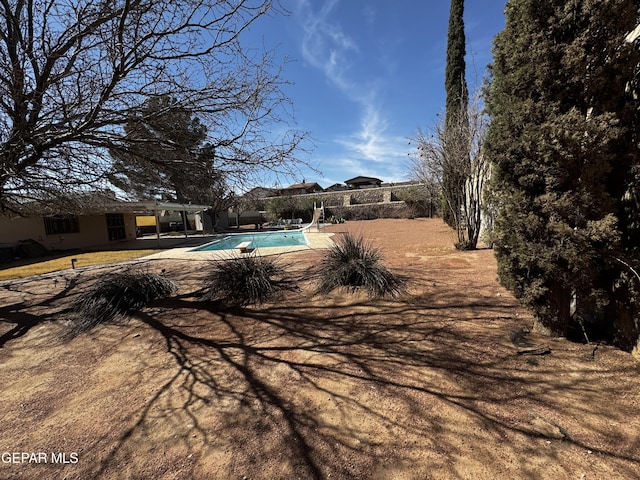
x=453, y=158
x=73, y=71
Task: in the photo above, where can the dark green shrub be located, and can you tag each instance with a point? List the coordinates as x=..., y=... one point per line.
x=292, y=206
x=246, y=280
x=371, y=212
x=421, y=200
x=354, y=264
x=277, y=208
x=114, y=296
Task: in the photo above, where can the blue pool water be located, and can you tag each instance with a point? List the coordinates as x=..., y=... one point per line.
x=258, y=240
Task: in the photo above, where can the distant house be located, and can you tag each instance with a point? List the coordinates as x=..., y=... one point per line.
x=336, y=187
x=301, y=189
x=363, y=182
x=260, y=193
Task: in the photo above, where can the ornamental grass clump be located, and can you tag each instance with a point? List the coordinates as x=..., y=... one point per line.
x=354, y=263
x=115, y=296
x=246, y=280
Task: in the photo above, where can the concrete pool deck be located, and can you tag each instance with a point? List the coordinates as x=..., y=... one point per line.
x=315, y=241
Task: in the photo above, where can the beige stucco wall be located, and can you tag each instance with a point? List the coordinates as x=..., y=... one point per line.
x=93, y=232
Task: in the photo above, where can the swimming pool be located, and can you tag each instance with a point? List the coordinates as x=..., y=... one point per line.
x=258, y=240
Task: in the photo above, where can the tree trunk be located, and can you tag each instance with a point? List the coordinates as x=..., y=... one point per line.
x=556, y=321
x=625, y=328
x=636, y=351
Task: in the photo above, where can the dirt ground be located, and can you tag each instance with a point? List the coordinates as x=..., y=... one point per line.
x=427, y=386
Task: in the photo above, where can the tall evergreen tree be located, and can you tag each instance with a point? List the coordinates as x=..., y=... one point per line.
x=164, y=155
x=455, y=83
x=563, y=146
x=455, y=138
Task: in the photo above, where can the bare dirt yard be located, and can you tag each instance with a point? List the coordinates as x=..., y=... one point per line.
x=429, y=385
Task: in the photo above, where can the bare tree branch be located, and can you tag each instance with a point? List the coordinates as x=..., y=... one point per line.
x=451, y=156
x=73, y=71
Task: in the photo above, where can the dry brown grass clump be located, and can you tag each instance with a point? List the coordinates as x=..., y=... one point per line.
x=354, y=263
x=246, y=280
x=115, y=296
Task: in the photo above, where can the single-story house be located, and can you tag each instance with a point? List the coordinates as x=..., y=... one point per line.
x=68, y=231
x=363, y=182
x=101, y=220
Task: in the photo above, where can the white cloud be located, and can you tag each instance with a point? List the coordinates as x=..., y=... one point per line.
x=370, y=150
x=370, y=15
x=353, y=157
x=324, y=44
x=373, y=143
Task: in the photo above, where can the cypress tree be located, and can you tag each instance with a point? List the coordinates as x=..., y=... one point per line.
x=563, y=146
x=455, y=83
x=457, y=103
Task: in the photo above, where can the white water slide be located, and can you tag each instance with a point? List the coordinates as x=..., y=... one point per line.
x=318, y=213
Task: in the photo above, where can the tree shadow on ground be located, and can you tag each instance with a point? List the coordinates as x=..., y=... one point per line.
x=328, y=390
x=27, y=314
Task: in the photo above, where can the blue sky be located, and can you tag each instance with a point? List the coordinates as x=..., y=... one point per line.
x=367, y=74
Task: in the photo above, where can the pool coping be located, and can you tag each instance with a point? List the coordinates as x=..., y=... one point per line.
x=315, y=241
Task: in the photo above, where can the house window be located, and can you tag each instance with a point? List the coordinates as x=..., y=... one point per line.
x=61, y=224
x=115, y=226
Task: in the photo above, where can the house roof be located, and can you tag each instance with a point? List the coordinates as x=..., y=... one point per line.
x=361, y=179
x=306, y=186
x=260, y=192
x=92, y=203
x=135, y=207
